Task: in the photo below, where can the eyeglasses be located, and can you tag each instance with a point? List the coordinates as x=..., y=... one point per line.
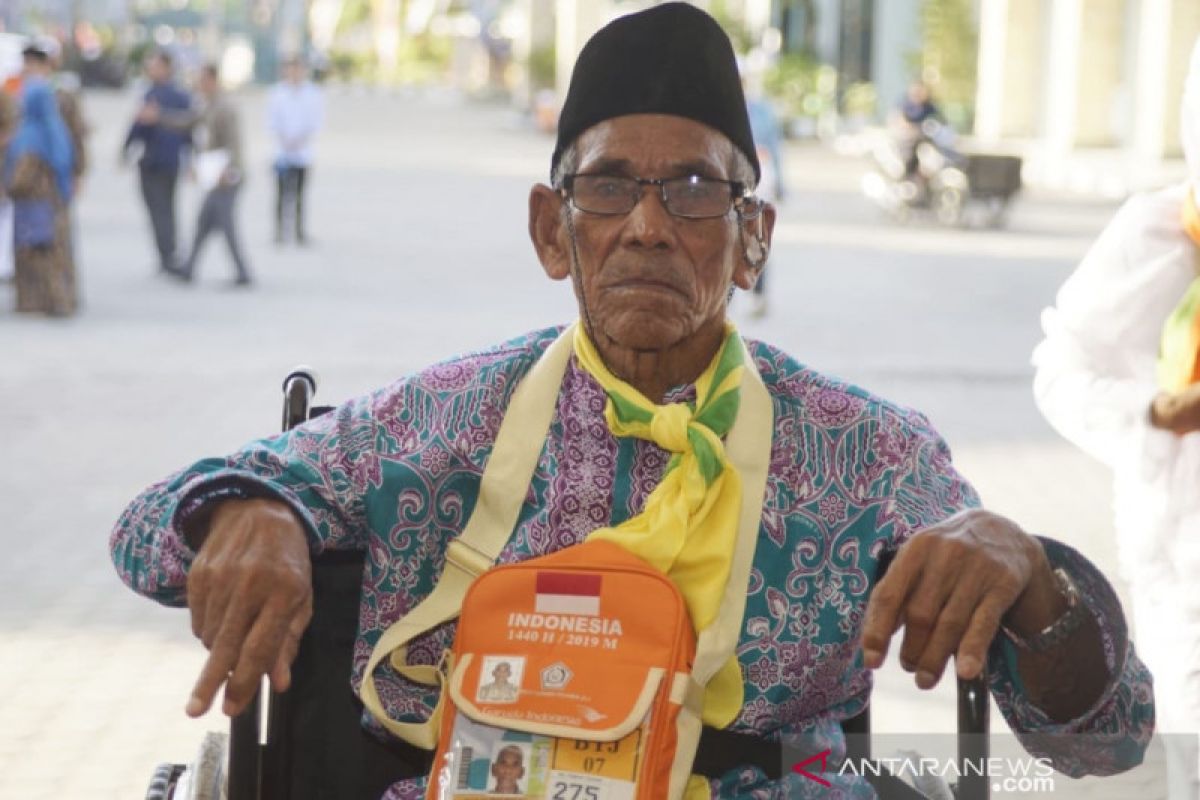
x=692, y=197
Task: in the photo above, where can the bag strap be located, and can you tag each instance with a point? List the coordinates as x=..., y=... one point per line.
x=502, y=490
x=748, y=448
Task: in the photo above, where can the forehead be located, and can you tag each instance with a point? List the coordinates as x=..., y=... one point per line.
x=653, y=143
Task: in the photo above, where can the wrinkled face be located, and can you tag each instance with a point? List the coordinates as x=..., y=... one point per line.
x=648, y=279
x=509, y=767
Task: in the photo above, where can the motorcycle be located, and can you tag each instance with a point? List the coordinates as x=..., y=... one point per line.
x=923, y=174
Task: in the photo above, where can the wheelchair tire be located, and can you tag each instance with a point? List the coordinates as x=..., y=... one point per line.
x=162, y=784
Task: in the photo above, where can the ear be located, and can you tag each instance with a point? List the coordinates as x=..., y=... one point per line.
x=755, y=240
x=546, y=231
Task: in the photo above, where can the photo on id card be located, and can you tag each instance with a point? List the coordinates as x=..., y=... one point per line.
x=488, y=762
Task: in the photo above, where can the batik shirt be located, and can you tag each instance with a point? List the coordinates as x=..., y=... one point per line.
x=396, y=474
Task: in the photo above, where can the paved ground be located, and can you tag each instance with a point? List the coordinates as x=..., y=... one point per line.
x=418, y=211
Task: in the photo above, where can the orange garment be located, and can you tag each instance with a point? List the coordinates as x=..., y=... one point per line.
x=1191, y=216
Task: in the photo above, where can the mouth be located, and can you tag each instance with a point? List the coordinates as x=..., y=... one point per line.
x=649, y=284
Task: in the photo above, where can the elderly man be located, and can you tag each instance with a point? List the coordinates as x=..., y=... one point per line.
x=651, y=216
x=1115, y=319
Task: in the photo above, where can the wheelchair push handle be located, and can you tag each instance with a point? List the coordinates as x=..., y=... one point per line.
x=298, y=389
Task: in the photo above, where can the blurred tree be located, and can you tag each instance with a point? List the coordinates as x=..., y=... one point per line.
x=948, y=57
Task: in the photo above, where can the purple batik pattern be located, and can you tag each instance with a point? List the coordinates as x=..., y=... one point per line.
x=396, y=473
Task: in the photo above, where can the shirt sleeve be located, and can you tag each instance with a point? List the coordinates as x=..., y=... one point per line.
x=322, y=470
x=1113, y=734
x=927, y=489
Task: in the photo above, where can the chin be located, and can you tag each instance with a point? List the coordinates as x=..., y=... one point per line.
x=644, y=329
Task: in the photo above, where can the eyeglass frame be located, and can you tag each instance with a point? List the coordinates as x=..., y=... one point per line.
x=739, y=197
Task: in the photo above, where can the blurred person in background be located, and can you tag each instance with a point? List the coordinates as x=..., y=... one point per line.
x=9, y=100
x=70, y=104
x=295, y=112
x=1117, y=374
x=218, y=167
x=39, y=176
x=918, y=119
x=162, y=153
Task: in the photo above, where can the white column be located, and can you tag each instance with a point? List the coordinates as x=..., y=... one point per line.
x=576, y=21
x=989, y=92
x=1062, y=75
x=1150, y=82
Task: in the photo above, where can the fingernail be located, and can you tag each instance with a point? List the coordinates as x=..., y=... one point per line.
x=872, y=658
x=926, y=679
x=907, y=665
x=195, y=707
x=968, y=667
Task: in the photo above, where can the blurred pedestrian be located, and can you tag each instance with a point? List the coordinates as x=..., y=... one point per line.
x=295, y=112
x=218, y=168
x=70, y=104
x=8, y=121
x=39, y=177
x=918, y=120
x=1117, y=374
x=162, y=153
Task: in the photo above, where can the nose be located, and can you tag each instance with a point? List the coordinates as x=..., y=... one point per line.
x=649, y=225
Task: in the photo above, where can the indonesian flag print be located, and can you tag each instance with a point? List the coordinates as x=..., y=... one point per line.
x=568, y=593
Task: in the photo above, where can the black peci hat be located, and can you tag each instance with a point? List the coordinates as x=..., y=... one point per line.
x=671, y=59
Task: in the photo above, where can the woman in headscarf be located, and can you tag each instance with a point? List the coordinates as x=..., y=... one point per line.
x=1118, y=375
x=38, y=177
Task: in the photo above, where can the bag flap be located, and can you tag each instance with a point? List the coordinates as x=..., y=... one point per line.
x=573, y=644
x=605, y=703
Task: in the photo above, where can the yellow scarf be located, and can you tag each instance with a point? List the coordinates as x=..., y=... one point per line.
x=1179, y=347
x=689, y=525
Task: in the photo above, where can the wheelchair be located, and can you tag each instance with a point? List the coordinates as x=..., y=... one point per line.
x=310, y=743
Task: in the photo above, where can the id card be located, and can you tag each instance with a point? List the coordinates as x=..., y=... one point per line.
x=485, y=762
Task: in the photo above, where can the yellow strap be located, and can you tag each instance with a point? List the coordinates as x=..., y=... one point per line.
x=502, y=490
x=748, y=448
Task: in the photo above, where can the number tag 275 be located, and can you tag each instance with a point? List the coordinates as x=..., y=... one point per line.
x=564, y=790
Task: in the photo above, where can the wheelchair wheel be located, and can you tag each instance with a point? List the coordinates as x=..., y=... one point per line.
x=162, y=784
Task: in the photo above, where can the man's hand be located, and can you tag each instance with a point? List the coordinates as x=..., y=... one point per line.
x=950, y=586
x=250, y=594
x=149, y=114
x=1177, y=412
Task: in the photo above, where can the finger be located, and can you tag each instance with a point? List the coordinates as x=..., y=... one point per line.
x=222, y=657
x=216, y=607
x=258, y=655
x=947, y=634
x=924, y=607
x=972, y=650
x=882, y=617
x=197, y=597
x=281, y=673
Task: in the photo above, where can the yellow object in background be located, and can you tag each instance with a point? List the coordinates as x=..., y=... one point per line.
x=1179, y=348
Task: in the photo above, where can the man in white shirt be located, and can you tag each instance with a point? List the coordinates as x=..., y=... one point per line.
x=295, y=112
x=1096, y=383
